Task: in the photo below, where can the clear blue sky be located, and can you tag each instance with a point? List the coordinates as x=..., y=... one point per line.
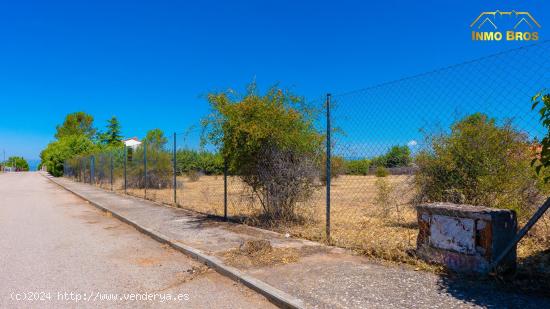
x=151, y=63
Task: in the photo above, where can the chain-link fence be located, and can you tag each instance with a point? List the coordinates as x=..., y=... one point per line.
x=464, y=134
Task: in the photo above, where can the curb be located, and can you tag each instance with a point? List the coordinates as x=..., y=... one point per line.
x=273, y=294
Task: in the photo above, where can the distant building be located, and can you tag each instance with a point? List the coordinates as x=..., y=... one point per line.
x=133, y=142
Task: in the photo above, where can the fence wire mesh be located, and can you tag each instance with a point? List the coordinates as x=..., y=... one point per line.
x=199, y=175
x=464, y=134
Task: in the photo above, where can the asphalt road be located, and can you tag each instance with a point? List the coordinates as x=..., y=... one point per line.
x=56, y=250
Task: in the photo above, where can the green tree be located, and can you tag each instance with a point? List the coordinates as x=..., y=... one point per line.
x=19, y=163
x=68, y=147
x=397, y=156
x=78, y=123
x=269, y=140
x=155, y=139
x=112, y=136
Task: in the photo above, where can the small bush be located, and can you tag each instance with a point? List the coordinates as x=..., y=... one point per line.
x=357, y=167
x=337, y=168
x=384, y=196
x=382, y=171
x=159, y=169
x=194, y=175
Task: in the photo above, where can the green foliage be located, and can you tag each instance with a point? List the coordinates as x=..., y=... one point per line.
x=211, y=163
x=19, y=163
x=112, y=136
x=55, y=154
x=381, y=171
x=159, y=168
x=277, y=124
x=155, y=139
x=543, y=156
x=186, y=161
x=78, y=123
x=397, y=156
x=479, y=163
x=337, y=168
x=357, y=167
x=74, y=138
x=240, y=127
x=191, y=160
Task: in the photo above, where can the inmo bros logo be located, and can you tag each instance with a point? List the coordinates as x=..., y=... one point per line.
x=510, y=26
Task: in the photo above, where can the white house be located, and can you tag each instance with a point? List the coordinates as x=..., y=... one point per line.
x=133, y=142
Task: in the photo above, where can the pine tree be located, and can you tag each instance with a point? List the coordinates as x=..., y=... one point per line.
x=112, y=136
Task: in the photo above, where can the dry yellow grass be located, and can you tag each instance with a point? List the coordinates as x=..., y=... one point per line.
x=359, y=219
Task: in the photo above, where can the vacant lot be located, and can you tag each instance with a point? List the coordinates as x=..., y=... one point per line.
x=371, y=215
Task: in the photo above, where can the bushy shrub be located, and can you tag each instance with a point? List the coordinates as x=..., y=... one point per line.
x=381, y=171
x=193, y=175
x=479, y=163
x=270, y=142
x=384, y=197
x=186, y=160
x=211, y=163
x=357, y=167
x=337, y=168
x=159, y=163
x=206, y=162
x=541, y=162
x=159, y=169
x=281, y=179
x=67, y=147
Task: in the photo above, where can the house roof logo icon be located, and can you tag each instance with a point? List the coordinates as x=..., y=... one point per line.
x=492, y=20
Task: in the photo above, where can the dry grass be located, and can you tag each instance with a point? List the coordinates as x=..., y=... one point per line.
x=359, y=219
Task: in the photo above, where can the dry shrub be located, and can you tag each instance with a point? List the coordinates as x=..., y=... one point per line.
x=337, y=168
x=260, y=253
x=281, y=179
x=382, y=171
x=384, y=196
x=193, y=175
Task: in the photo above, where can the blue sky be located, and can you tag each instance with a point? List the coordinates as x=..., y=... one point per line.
x=151, y=63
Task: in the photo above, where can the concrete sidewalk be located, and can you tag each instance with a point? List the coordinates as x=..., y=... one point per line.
x=309, y=273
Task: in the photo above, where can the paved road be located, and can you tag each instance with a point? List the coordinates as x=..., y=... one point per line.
x=53, y=244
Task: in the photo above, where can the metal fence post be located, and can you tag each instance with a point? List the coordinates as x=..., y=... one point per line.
x=225, y=190
x=125, y=161
x=328, y=170
x=145, y=168
x=174, y=166
x=111, y=171
x=92, y=169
